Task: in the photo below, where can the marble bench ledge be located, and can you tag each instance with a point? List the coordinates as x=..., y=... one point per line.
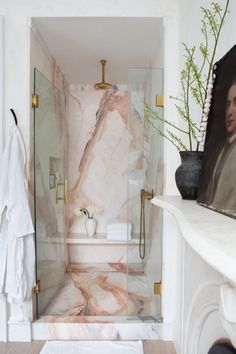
x=210, y=234
x=100, y=239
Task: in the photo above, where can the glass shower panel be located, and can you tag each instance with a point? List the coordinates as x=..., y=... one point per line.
x=145, y=172
x=50, y=189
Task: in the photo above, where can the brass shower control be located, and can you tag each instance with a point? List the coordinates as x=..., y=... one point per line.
x=146, y=195
x=65, y=185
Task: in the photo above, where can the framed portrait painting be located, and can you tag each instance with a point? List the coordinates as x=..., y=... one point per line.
x=217, y=189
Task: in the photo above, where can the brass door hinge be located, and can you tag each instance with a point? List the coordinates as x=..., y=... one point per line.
x=35, y=100
x=157, y=288
x=37, y=287
x=159, y=101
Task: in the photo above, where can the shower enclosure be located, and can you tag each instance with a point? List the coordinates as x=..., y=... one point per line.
x=123, y=288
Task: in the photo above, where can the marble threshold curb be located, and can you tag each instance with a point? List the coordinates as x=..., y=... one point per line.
x=51, y=328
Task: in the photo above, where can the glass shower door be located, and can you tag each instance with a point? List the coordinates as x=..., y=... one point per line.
x=49, y=188
x=146, y=172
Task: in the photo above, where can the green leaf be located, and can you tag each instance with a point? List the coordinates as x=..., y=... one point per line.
x=194, y=78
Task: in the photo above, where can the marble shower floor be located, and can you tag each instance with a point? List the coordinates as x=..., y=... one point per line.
x=101, y=290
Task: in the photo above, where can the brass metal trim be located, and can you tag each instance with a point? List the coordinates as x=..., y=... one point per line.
x=66, y=191
x=158, y=288
x=142, y=234
x=103, y=85
x=159, y=101
x=37, y=287
x=146, y=195
x=65, y=185
x=35, y=100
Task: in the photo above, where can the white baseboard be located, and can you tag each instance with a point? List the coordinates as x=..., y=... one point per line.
x=19, y=332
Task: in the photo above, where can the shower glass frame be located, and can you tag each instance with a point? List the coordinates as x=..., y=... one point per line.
x=49, y=173
x=145, y=171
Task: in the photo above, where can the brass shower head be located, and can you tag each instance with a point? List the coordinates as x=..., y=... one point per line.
x=103, y=85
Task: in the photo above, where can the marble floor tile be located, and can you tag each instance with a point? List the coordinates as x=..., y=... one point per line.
x=102, y=290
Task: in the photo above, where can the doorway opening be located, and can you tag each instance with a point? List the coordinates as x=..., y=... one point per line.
x=94, y=151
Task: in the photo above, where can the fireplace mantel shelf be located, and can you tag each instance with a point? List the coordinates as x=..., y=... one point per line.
x=210, y=234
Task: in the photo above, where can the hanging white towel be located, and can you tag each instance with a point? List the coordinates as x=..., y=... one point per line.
x=16, y=229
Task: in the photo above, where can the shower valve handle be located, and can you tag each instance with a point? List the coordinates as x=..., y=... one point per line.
x=64, y=184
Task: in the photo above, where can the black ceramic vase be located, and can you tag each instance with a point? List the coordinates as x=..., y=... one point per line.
x=187, y=175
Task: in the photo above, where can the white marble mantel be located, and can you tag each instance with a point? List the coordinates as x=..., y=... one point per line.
x=208, y=233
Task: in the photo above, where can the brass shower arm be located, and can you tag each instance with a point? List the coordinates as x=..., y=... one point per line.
x=103, y=85
x=103, y=62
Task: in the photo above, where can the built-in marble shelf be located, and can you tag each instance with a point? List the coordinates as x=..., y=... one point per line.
x=82, y=238
x=100, y=238
x=210, y=234
x=51, y=239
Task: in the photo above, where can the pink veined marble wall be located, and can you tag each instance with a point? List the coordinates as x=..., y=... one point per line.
x=99, y=136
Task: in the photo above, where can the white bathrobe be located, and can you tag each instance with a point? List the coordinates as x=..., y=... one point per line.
x=17, y=253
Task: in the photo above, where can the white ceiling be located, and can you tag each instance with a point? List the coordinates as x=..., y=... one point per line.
x=78, y=45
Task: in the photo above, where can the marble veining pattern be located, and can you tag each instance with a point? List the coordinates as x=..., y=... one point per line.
x=69, y=328
x=104, y=253
x=99, y=136
x=101, y=290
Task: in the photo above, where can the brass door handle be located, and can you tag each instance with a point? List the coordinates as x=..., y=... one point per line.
x=65, y=185
x=66, y=191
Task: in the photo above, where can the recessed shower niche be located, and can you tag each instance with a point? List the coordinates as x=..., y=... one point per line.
x=92, y=149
